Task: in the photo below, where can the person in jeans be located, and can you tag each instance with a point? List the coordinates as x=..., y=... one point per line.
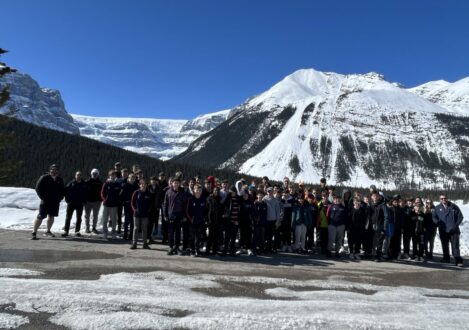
x=75, y=196
x=110, y=194
x=141, y=206
x=93, y=200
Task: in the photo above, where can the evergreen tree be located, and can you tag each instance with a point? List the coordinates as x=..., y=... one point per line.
x=7, y=167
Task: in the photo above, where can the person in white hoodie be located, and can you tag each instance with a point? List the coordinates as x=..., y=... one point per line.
x=273, y=218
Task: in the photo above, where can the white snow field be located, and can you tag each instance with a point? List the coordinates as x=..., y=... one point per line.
x=164, y=300
x=19, y=207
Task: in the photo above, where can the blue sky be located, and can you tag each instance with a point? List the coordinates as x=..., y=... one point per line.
x=178, y=59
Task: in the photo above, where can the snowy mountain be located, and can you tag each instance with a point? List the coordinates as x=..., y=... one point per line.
x=36, y=105
x=159, y=138
x=452, y=96
x=352, y=129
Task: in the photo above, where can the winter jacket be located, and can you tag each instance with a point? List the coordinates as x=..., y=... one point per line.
x=336, y=215
x=448, y=219
x=357, y=219
x=417, y=222
x=196, y=211
x=94, y=187
x=301, y=214
x=141, y=203
x=260, y=214
x=156, y=192
x=273, y=208
x=127, y=191
x=246, y=212
x=376, y=216
x=174, y=203
x=391, y=217
x=215, y=210
x=50, y=190
x=76, y=193
x=232, y=207
x=110, y=193
x=288, y=208
x=322, y=221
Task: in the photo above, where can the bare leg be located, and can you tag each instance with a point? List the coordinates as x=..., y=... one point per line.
x=50, y=222
x=36, y=224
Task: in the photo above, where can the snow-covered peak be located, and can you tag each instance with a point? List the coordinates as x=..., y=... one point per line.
x=452, y=96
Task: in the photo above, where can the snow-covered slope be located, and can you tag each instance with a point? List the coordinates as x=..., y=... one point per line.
x=36, y=105
x=159, y=138
x=352, y=129
x=452, y=96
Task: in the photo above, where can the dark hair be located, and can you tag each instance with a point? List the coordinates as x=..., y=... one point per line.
x=155, y=178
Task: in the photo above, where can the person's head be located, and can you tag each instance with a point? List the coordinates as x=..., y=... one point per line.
x=94, y=173
x=428, y=204
x=416, y=208
x=260, y=195
x=375, y=197
x=314, y=192
x=444, y=199
x=131, y=178
x=117, y=166
x=153, y=180
x=54, y=170
x=311, y=198
x=270, y=191
x=366, y=199
x=286, y=181
x=135, y=168
x=322, y=182
x=197, y=191
x=224, y=184
x=78, y=176
x=161, y=176
x=142, y=185
x=418, y=201
x=336, y=199
x=125, y=173
x=373, y=188
x=394, y=202
x=216, y=192
x=410, y=203
x=265, y=180
x=402, y=203
x=301, y=199
x=208, y=185
x=112, y=175
x=356, y=203
x=192, y=183
x=175, y=184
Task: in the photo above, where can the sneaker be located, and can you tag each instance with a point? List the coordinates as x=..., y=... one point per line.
x=250, y=252
x=87, y=231
x=290, y=249
x=77, y=234
x=239, y=252
x=357, y=257
x=405, y=256
x=94, y=231
x=33, y=236
x=460, y=264
x=351, y=256
x=170, y=252
x=146, y=247
x=49, y=234
x=65, y=235
x=133, y=246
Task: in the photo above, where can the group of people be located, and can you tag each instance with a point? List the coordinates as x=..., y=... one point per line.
x=209, y=216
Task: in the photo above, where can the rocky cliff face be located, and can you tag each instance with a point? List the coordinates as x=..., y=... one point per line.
x=40, y=106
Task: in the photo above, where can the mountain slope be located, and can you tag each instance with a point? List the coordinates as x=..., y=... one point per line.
x=452, y=96
x=351, y=129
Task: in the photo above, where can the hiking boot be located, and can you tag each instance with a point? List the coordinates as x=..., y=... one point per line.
x=88, y=231
x=33, y=236
x=49, y=234
x=133, y=246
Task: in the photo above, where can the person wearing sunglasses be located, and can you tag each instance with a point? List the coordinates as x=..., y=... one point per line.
x=448, y=217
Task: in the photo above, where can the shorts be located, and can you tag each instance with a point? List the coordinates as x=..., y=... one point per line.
x=48, y=209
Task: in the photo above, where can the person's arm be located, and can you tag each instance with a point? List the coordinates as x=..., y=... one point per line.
x=166, y=205
x=104, y=192
x=133, y=202
x=458, y=214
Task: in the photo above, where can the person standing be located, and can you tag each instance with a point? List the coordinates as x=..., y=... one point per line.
x=448, y=218
x=232, y=206
x=196, y=214
x=110, y=195
x=357, y=228
x=301, y=220
x=273, y=219
x=51, y=190
x=430, y=228
x=93, y=200
x=173, y=208
x=376, y=219
x=141, y=206
x=127, y=191
x=336, y=215
x=214, y=218
x=75, y=196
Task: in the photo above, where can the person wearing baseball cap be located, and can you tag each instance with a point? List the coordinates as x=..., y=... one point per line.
x=50, y=189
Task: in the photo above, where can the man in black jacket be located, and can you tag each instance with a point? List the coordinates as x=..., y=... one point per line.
x=376, y=219
x=93, y=200
x=50, y=189
x=173, y=207
x=75, y=196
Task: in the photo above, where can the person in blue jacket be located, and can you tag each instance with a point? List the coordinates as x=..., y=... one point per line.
x=141, y=206
x=448, y=217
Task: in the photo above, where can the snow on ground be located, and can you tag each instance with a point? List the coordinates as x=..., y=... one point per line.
x=9, y=321
x=19, y=207
x=166, y=300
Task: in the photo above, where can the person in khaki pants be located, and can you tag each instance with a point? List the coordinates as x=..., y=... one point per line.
x=93, y=200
